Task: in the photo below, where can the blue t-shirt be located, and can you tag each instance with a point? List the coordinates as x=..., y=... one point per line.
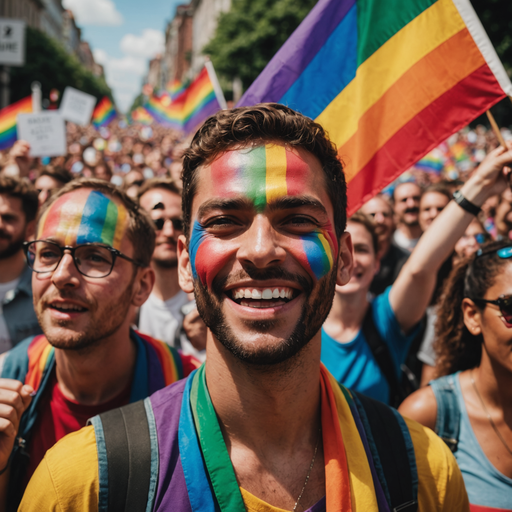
x=353, y=364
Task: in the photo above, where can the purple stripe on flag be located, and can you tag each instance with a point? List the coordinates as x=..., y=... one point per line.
x=298, y=51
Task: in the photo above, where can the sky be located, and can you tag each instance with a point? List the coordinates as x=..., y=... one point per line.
x=124, y=35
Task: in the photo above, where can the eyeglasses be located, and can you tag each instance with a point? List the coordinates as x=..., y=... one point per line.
x=479, y=238
x=504, y=302
x=177, y=224
x=504, y=253
x=91, y=260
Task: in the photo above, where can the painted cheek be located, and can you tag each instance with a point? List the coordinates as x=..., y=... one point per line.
x=207, y=255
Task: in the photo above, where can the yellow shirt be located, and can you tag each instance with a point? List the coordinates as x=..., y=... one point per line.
x=67, y=478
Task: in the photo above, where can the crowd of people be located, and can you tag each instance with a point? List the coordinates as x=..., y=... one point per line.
x=140, y=255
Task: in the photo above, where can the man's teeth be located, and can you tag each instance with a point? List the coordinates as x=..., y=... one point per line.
x=68, y=307
x=266, y=294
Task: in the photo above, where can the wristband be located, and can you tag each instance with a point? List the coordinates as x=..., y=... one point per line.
x=465, y=204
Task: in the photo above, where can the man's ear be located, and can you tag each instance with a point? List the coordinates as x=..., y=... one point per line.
x=472, y=317
x=184, y=269
x=144, y=285
x=345, y=259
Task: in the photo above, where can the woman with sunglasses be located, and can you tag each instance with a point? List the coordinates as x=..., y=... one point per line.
x=470, y=405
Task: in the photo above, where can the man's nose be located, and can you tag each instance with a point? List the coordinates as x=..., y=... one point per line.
x=260, y=245
x=168, y=228
x=379, y=218
x=66, y=274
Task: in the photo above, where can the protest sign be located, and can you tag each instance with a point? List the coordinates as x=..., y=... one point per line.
x=77, y=106
x=44, y=131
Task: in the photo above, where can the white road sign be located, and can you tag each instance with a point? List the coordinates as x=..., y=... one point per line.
x=77, y=106
x=12, y=42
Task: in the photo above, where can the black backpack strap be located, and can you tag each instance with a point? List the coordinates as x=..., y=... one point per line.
x=392, y=450
x=382, y=356
x=127, y=449
x=448, y=411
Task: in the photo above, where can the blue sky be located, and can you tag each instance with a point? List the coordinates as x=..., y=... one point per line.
x=124, y=35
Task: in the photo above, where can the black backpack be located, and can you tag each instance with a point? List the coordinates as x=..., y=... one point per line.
x=128, y=448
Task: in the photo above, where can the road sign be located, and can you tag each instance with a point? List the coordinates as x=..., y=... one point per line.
x=12, y=42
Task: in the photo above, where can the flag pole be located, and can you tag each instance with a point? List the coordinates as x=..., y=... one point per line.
x=496, y=129
x=216, y=85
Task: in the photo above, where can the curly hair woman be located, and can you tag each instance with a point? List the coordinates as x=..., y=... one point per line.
x=470, y=405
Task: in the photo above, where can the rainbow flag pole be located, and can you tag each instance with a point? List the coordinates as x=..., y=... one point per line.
x=389, y=80
x=8, y=121
x=216, y=85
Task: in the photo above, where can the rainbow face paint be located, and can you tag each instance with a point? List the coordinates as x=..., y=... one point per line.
x=262, y=174
x=84, y=216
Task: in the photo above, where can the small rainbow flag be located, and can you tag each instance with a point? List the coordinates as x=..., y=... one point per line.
x=175, y=88
x=8, y=133
x=164, y=111
x=389, y=80
x=141, y=115
x=104, y=113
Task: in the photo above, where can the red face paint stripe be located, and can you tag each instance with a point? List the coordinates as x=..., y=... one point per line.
x=296, y=174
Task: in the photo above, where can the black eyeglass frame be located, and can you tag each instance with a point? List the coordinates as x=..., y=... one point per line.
x=500, y=302
x=115, y=253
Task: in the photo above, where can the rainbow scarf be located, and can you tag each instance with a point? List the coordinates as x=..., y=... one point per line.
x=88, y=217
x=41, y=355
x=389, y=80
x=104, y=113
x=350, y=476
x=8, y=133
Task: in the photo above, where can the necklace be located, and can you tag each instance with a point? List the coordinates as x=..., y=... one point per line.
x=309, y=470
x=489, y=416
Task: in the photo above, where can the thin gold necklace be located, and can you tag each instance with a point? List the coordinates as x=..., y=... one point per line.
x=309, y=470
x=489, y=416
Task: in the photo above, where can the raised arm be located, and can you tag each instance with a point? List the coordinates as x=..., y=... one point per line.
x=412, y=291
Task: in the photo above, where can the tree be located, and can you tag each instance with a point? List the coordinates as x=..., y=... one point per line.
x=48, y=62
x=249, y=35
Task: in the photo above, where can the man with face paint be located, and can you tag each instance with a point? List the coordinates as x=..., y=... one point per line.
x=261, y=426
x=91, y=270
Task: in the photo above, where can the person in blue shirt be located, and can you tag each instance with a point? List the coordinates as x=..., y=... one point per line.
x=397, y=312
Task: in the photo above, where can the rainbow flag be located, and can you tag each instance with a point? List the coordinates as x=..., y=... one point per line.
x=141, y=115
x=174, y=88
x=104, y=113
x=432, y=162
x=8, y=133
x=164, y=111
x=389, y=80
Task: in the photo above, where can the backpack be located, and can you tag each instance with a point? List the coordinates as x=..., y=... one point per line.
x=133, y=471
x=399, y=389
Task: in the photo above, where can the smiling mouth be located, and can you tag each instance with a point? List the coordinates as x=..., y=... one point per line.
x=68, y=308
x=261, y=298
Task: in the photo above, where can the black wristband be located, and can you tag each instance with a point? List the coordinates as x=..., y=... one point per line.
x=465, y=204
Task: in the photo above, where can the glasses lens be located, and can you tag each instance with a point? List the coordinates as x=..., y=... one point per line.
x=43, y=256
x=505, y=253
x=505, y=305
x=159, y=224
x=177, y=224
x=94, y=260
x=480, y=238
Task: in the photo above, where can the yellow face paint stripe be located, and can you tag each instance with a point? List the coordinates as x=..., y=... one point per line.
x=327, y=248
x=276, y=172
x=122, y=215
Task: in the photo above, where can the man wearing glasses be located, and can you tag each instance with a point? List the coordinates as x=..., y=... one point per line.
x=169, y=314
x=91, y=271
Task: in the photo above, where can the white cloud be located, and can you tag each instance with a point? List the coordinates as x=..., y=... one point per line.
x=94, y=12
x=124, y=75
x=146, y=45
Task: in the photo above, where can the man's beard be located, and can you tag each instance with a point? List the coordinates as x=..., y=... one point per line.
x=108, y=322
x=15, y=245
x=313, y=315
x=165, y=264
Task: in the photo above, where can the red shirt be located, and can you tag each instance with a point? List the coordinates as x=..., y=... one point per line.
x=60, y=416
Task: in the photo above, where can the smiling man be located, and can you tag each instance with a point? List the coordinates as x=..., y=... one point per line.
x=261, y=426
x=90, y=264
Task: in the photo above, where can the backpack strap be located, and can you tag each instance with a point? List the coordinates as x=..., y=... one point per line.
x=382, y=356
x=392, y=450
x=448, y=411
x=127, y=458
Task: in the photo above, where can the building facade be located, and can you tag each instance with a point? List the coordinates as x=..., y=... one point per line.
x=27, y=10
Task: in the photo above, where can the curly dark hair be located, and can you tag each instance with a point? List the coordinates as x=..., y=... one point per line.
x=267, y=122
x=456, y=348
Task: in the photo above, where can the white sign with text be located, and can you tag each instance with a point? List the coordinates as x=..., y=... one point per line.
x=44, y=131
x=12, y=42
x=77, y=106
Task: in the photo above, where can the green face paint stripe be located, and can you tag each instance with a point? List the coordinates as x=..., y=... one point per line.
x=255, y=175
x=109, y=227
x=216, y=457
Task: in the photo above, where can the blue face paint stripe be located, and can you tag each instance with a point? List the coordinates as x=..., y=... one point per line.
x=315, y=253
x=91, y=227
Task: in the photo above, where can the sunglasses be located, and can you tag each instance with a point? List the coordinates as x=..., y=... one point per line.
x=504, y=253
x=177, y=224
x=504, y=302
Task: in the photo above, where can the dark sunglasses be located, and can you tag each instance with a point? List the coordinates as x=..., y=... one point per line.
x=177, y=224
x=504, y=302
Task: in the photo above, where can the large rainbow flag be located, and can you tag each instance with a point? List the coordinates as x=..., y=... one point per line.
x=388, y=79
x=8, y=133
x=104, y=113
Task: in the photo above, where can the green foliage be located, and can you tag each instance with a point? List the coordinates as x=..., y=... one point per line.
x=48, y=62
x=250, y=34
x=137, y=102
